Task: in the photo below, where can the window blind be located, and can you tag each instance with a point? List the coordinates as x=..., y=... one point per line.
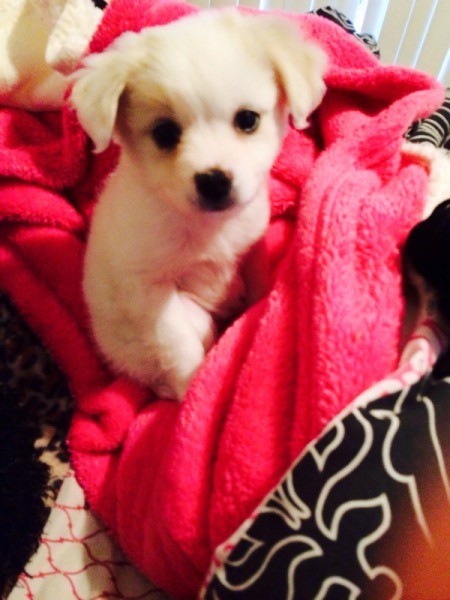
x=413, y=33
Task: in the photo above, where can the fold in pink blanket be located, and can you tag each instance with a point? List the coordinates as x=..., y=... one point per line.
x=173, y=481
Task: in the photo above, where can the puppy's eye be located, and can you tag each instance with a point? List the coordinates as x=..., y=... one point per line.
x=246, y=121
x=166, y=134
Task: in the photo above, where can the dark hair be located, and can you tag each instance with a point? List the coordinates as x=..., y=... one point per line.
x=427, y=248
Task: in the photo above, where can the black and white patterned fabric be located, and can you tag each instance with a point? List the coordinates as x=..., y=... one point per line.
x=434, y=129
x=343, y=21
x=342, y=521
x=35, y=413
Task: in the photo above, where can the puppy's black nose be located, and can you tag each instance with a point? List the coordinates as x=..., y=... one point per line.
x=214, y=188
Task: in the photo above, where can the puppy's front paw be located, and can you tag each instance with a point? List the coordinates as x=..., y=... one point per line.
x=172, y=388
x=177, y=367
x=165, y=392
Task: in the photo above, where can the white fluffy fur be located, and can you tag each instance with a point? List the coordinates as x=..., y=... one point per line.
x=39, y=41
x=158, y=268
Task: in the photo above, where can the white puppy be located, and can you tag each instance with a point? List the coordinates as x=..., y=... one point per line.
x=199, y=108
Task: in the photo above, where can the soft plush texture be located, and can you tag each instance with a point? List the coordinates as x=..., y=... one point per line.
x=175, y=480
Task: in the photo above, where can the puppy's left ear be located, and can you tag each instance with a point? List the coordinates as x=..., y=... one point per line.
x=99, y=84
x=299, y=65
x=95, y=95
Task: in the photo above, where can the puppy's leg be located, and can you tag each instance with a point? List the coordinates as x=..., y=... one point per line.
x=156, y=340
x=184, y=332
x=201, y=320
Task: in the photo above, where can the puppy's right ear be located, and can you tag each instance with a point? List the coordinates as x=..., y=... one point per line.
x=299, y=65
x=96, y=93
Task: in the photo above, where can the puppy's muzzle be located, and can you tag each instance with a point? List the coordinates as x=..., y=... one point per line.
x=214, y=188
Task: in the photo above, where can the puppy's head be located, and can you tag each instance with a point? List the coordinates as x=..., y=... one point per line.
x=200, y=106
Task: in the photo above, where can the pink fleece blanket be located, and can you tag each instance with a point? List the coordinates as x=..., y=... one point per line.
x=173, y=481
